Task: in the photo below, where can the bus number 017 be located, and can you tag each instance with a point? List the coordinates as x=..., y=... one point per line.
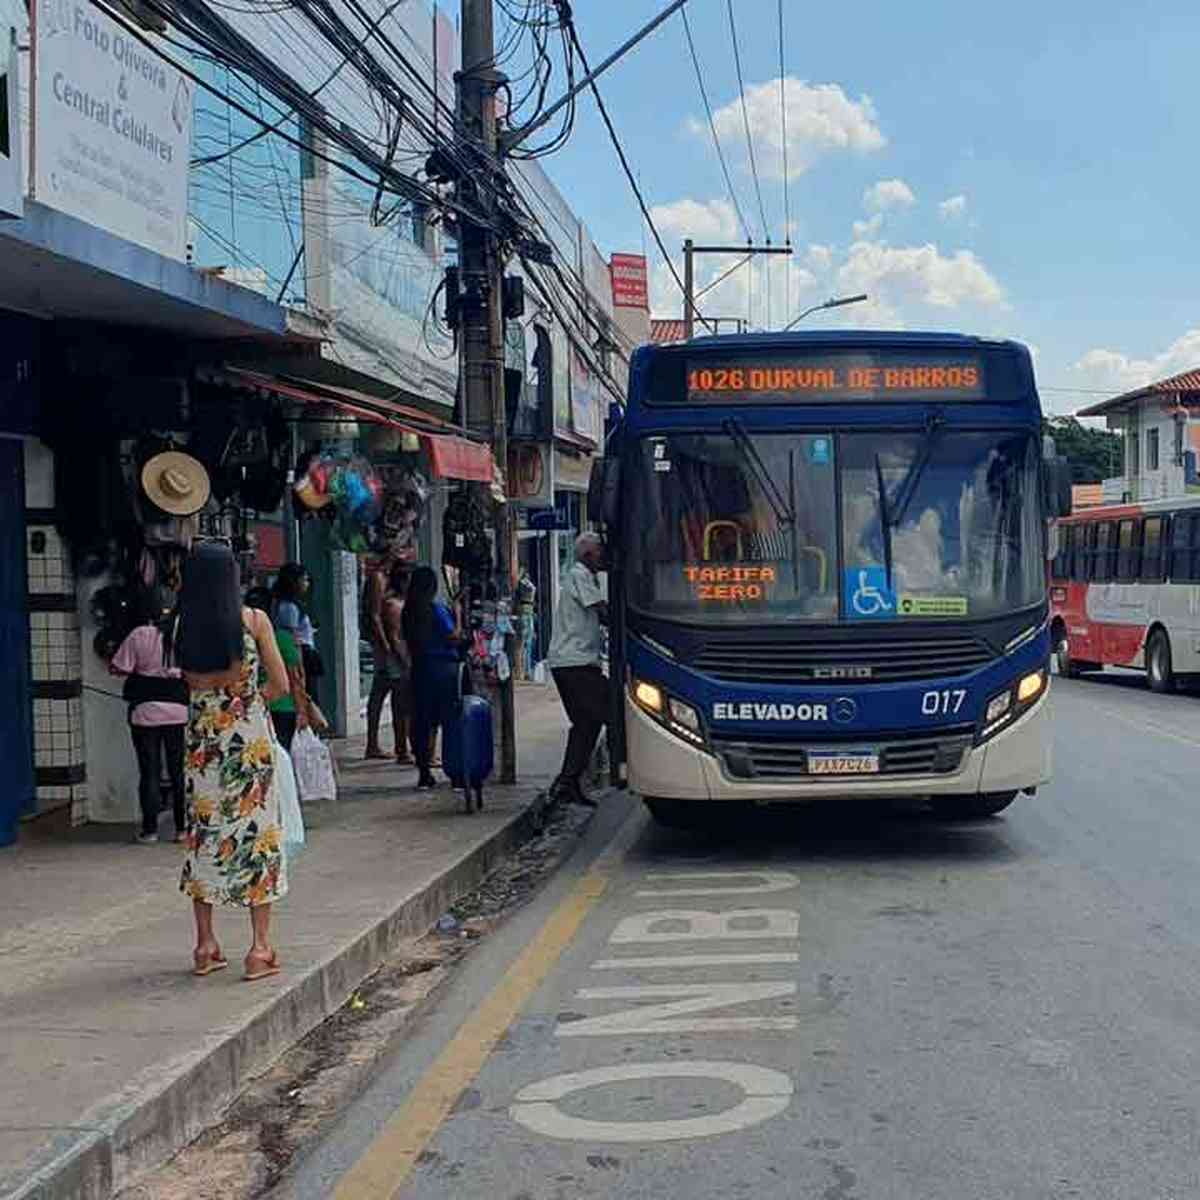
x=938, y=704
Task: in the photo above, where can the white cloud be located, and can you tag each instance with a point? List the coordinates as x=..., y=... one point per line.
x=821, y=119
x=818, y=258
x=894, y=276
x=868, y=228
x=712, y=220
x=888, y=194
x=1111, y=369
x=953, y=208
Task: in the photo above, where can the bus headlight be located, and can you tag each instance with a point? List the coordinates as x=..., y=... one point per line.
x=678, y=716
x=1003, y=707
x=1031, y=686
x=649, y=697
x=685, y=720
x=997, y=708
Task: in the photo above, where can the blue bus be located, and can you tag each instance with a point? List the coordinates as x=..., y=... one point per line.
x=827, y=571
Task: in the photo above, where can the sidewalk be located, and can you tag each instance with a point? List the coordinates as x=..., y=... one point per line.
x=112, y=1055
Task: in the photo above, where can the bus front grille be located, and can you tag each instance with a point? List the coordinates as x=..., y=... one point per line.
x=936, y=753
x=809, y=660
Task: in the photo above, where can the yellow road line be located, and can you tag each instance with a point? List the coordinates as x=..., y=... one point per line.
x=387, y=1163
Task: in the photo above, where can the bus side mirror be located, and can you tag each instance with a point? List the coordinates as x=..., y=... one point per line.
x=1056, y=486
x=604, y=489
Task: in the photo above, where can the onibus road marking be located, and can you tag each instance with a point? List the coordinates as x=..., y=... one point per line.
x=389, y=1160
x=765, y=1094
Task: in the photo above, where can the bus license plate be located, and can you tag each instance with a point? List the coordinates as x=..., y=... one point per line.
x=843, y=762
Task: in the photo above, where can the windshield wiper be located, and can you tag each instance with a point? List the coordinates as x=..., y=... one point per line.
x=885, y=521
x=745, y=444
x=891, y=513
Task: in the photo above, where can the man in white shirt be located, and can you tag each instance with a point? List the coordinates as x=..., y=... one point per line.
x=574, y=660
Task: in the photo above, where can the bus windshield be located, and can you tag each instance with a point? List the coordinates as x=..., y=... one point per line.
x=742, y=527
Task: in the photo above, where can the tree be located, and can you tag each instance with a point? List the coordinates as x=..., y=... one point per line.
x=1094, y=454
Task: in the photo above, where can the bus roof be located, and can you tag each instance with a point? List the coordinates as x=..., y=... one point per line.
x=842, y=338
x=1132, y=508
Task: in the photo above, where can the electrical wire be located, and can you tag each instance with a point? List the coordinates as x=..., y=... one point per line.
x=737, y=59
x=712, y=125
x=783, y=141
x=633, y=183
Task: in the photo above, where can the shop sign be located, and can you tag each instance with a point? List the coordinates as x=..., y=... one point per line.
x=112, y=127
x=530, y=474
x=572, y=473
x=549, y=518
x=629, y=284
x=11, y=199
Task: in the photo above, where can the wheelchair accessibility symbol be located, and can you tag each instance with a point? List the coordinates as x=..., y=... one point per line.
x=867, y=594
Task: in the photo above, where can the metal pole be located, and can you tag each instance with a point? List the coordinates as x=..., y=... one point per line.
x=689, y=287
x=482, y=329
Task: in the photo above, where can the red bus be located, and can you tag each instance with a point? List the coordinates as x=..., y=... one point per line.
x=1125, y=590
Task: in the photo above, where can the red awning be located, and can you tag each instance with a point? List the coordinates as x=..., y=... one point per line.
x=458, y=458
x=451, y=455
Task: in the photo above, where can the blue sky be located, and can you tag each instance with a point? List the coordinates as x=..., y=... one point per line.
x=1059, y=132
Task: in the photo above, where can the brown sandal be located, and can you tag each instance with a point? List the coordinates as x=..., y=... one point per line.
x=206, y=964
x=270, y=966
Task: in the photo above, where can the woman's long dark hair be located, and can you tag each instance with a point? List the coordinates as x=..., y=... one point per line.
x=210, y=632
x=417, y=622
x=289, y=584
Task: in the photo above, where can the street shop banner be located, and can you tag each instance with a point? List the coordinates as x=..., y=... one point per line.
x=112, y=127
x=630, y=287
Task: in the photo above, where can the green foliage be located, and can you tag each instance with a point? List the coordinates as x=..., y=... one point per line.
x=1094, y=454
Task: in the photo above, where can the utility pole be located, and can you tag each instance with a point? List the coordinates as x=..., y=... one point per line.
x=482, y=274
x=690, y=250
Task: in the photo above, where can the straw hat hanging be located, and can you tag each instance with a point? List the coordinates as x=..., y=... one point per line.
x=176, y=483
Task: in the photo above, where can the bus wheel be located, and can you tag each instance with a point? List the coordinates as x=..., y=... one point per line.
x=1067, y=667
x=1158, y=663
x=985, y=804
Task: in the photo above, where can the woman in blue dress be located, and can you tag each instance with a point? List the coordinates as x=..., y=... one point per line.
x=433, y=638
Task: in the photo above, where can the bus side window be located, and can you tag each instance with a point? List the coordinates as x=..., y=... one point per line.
x=1060, y=568
x=1081, y=560
x=1152, y=550
x=1129, y=550
x=1102, y=562
x=1180, y=566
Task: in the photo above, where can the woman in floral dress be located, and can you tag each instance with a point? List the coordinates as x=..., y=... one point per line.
x=235, y=845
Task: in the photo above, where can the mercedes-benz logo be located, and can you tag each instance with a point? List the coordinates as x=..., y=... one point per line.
x=844, y=710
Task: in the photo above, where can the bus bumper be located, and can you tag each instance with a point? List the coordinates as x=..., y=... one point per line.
x=661, y=765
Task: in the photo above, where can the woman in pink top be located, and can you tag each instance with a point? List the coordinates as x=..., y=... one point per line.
x=157, y=721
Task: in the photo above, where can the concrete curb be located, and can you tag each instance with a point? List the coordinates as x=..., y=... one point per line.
x=167, y=1107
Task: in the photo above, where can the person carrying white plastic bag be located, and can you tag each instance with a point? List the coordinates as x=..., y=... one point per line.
x=291, y=819
x=315, y=777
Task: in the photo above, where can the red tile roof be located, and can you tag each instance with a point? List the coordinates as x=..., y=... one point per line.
x=1185, y=381
x=668, y=330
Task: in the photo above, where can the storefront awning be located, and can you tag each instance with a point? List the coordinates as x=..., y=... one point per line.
x=451, y=454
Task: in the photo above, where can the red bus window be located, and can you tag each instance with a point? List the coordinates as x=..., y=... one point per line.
x=1152, y=550
x=1081, y=559
x=1181, y=547
x=1103, y=560
x=1129, y=550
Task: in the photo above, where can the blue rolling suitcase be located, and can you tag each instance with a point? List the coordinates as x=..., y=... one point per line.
x=468, y=754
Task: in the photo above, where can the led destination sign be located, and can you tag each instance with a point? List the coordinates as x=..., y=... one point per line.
x=836, y=377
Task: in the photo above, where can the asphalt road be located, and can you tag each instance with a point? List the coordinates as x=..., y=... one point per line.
x=905, y=1008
